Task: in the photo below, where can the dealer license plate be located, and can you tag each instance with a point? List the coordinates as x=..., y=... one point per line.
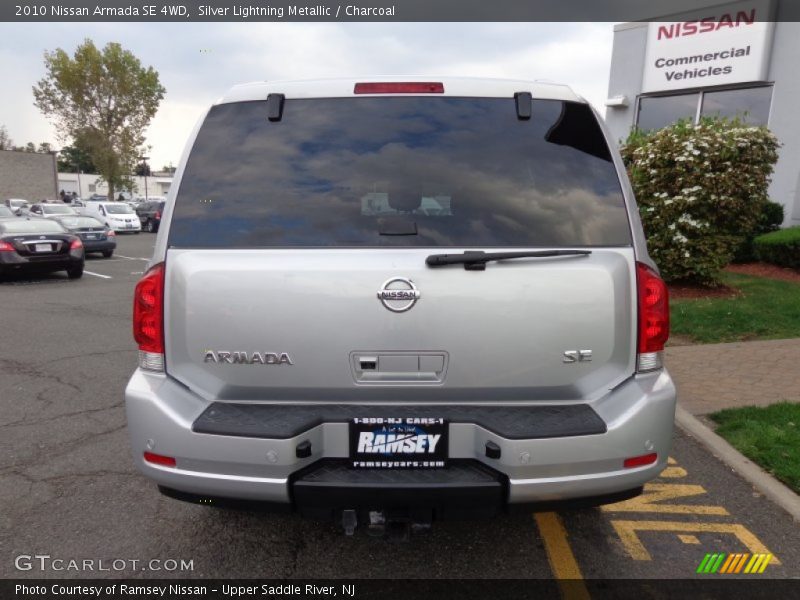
x=43, y=248
x=398, y=443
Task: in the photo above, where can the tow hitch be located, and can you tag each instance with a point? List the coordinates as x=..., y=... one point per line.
x=393, y=525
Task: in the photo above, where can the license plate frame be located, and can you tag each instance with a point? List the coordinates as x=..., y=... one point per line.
x=398, y=442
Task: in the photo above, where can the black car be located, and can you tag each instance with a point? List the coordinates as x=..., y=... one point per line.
x=96, y=237
x=150, y=214
x=36, y=245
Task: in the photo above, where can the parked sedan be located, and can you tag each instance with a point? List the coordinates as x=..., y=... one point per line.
x=150, y=214
x=36, y=245
x=50, y=211
x=96, y=236
x=18, y=206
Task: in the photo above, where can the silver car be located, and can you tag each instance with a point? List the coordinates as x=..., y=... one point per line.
x=429, y=299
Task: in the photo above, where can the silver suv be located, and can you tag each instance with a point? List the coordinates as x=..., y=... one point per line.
x=431, y=298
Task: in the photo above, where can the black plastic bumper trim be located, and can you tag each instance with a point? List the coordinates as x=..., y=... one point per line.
x=283, y=421
x=465, y=487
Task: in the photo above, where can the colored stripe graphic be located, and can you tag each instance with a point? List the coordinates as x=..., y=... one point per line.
x=720, y=562
x=767, y=558
x=753, y=561
x=737, y=557
x=727, y=564
x=702, y=567
x=741, y=562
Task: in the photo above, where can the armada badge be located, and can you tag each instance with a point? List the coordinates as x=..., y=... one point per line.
x=246, y=358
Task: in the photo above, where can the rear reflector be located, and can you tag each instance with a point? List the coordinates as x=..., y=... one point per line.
x=399, y=88
x=640, y=461
x=158, y=459
x=148, y=317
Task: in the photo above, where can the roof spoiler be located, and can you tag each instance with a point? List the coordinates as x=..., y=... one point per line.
x=275, y=106
x=524, y=102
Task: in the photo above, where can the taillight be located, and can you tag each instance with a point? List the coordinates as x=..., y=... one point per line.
x=157, y=215
x=428, y=87
x=6, y=247
x=653, y=318
x=76, y=244
x=111, y=233
x=148, y=318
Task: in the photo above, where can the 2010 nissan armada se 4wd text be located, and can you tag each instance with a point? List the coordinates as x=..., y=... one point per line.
x=418, y=298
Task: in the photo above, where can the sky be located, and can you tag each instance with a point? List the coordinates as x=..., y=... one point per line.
x=198, y=62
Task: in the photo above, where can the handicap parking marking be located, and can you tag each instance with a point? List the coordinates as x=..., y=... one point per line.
x=97, y=274
x=628, y=535
x=696, y=507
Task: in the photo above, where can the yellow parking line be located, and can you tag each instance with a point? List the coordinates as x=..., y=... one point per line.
x=562, y=561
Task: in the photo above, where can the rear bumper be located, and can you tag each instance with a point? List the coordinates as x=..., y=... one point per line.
x=99, y=246
x=11, y=262
x=638, y=416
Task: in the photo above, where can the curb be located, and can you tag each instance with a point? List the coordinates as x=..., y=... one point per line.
x=752, y=473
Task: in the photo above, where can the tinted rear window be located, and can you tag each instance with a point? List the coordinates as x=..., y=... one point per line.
x=352, y=171
x=32, y=226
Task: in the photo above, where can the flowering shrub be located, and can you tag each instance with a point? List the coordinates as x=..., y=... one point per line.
x=700, y=190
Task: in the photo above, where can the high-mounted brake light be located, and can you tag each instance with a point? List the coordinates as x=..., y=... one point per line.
x=653, y=318
x=428, y=87
x=148, y=318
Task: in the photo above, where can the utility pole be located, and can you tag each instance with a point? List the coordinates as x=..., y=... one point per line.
x=144, y=160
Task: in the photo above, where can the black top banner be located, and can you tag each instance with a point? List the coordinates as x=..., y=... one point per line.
x=366, y=10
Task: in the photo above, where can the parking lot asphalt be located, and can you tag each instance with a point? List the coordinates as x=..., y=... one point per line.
x=68, y=488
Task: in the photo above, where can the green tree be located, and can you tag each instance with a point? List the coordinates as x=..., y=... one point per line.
x=6, y=143
x=73, y=158
x=103, y=100
x=143, y=169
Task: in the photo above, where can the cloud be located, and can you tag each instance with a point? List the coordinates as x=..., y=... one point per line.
x=198, y=62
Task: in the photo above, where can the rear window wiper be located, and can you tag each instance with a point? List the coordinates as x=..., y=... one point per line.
x=476, y=260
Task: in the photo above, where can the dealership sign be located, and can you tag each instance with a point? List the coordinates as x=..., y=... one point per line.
x=728, y=44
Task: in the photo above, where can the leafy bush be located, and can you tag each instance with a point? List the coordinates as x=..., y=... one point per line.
x=780, y=247
x=700, y=190
x=770, y=219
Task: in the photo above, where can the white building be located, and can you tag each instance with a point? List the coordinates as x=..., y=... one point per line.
x=738, y=59
x=85, y=185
